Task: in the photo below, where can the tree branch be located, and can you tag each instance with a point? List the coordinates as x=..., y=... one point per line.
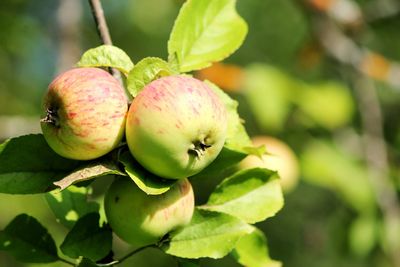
x=347, y=52
x=98, y=15
x=102, y=30
x=376, y=155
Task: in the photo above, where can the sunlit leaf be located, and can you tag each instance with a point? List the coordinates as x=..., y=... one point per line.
x=205, y=32
x=210, y=234
x=106, y=56
x=146, y=71
x=252, y=251
x=252, y=195
x=70, y=204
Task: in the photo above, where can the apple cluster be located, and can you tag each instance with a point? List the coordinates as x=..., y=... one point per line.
x=175, y=127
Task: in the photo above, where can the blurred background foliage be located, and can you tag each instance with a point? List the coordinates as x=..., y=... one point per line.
x=319, y=75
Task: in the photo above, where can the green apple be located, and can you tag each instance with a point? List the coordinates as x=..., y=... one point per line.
x=142, y=219
x=280, y=158
x=176, y=126
x=84, y=113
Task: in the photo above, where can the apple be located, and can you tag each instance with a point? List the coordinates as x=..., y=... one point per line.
x=176, y=126
x=84, y=113
x=142, y=219
x=280, y=157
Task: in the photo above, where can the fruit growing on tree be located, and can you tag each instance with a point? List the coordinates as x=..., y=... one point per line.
x=84, y=113
x=176, y=126
x=280, y=157
x=142, y=219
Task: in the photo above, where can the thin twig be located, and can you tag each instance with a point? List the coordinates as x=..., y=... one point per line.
x=66, y=262
x=377, y=157
x=98, y=15
x=102, y=30
x=376, y=10
x=348, y=52
x=125, y=257
x=134, y=252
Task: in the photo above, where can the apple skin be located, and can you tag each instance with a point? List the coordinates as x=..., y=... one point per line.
x=176, y=126
x=142, y=219
x=280, y=158
x=84, y=113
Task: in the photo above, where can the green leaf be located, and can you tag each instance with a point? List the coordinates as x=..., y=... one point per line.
x=258, y=151
x=89, y=171
x=28, y=241
x=188, y=262
x=106, y=56
x=28, y=165
x=87, y=239
x=70, y=204
x=225, y=159
x=146, y=181
x=205, y=32
x=209, y=234
x=252, y=195
x=252, y=251
x=146, y=71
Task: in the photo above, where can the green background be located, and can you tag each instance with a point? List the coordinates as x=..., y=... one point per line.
x=316, y=226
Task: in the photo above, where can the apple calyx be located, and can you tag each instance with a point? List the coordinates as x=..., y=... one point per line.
x=198, y=148
x=51, y=117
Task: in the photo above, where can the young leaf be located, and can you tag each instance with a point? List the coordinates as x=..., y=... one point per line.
x=252, y=195
x=146, y=181
x=28, y=165
x=28, y=241
x=237, y=138
x=89, y=171
x=70, y=204
x=209, y=234
x=106, y=56
x=252, y=251
x=146, y=71
x=205, y=32
x=88, y=239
